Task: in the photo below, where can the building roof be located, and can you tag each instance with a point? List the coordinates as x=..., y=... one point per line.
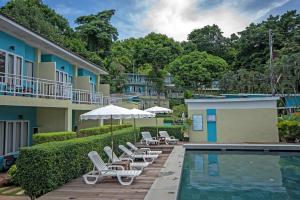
x=223, y=100
x=11, y=27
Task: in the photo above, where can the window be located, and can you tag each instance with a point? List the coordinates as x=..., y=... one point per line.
x=29, y=68
x=19, y=71
x=13, y=135
x=9, y=137
x=2, y=64
x=2, y=142
x=61, y=76
x=197, y=122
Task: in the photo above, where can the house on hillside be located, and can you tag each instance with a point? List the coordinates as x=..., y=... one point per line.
x=141, y=88
x=43, y=87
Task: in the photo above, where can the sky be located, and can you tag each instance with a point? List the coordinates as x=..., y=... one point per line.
x=175, y=18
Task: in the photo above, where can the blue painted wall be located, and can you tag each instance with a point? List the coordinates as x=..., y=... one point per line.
x=211, y=127
x=292, y=101
x=20, y=48
x=13, y=112
x=61, y=64
x=84, y=72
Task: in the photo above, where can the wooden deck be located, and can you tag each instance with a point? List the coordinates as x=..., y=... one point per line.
x=110, y=189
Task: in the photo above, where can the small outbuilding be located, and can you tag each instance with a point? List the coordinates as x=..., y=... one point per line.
x=233, y=120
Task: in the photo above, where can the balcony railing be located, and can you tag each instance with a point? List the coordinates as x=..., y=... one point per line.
x=16, y=85
x=112, y=100
x=87, y=97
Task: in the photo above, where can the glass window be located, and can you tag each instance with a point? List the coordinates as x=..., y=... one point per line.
x=24, y=135
x=18, y=70
x=9, y=138
x=2, y=142
x=2, y=63
x=29, y=68
x=18, y=136
x=11, y=62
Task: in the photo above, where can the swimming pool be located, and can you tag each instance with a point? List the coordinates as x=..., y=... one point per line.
x=218, y=175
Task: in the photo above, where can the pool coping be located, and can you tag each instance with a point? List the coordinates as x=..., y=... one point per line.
x=166, y=185
x=244, y=147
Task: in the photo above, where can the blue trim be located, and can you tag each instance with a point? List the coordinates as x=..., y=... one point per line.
x=211, y=126
x=84, y=72
x=61, y=64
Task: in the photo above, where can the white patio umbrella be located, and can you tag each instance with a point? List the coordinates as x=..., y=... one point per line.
x=158, y=110
x=137, y=113
x=108, y=112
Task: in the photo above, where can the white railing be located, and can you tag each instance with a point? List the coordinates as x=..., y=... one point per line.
x=16, y=85
x=112, y=100
x=87, y=97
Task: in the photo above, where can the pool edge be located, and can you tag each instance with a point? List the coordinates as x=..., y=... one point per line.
x=166, y=185
x=243, y=147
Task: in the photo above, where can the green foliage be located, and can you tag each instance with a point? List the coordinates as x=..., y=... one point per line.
x=52, y=136
x=44, y=167
x=175, y=131
x=211, y=39
x=178, y=110
x=187, y=68
x=101, y=130
x=12, y=175
x=289, y=130
x=97, y=31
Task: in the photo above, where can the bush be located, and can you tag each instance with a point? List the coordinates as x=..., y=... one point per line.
x=100, y=130
x=289, y=130
x=12, y=175
x=52, y=136
x=175, y=131
x=44, y=167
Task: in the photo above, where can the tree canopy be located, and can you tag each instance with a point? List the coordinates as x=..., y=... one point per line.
x=239, y=62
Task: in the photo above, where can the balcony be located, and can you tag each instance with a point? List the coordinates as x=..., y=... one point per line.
x=15, y=85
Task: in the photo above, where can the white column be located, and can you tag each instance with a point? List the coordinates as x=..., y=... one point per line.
x=68, y=119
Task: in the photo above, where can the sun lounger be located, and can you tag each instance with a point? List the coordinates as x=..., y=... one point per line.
x=102, y=170
x=148, y=139
x=168, y=139
x=142, y=150
x=130, y=154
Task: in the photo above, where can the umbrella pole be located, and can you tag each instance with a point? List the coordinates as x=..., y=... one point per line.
x=134, y=131
x=112, y=139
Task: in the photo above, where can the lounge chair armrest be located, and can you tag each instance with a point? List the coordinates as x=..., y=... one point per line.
x=145, y=149
x=172, y=137
x=125, y=159
x=154, y=138
x=113, y=167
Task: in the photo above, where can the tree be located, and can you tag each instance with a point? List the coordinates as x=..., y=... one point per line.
x=97, y=31
x=211, y=39
x=38, y=17
x=197, y=69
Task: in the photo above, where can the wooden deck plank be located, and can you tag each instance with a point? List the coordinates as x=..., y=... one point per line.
x=110, y=189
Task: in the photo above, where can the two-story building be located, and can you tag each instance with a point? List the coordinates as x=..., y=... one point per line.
x=43, y=87
x=141, y=87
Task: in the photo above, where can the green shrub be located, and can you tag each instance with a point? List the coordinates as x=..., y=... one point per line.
x=52, y=136
x=44, y=167
x=100, y=130
x=168, y=120
x=12, y=175
x=175, y=131
x=289, y=129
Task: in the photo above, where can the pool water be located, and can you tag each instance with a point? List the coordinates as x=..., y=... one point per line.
x=218, y=175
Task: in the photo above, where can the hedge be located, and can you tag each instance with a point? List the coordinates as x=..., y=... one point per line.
x=100, y=130
x=44, y=167
x=52, y=136
x=289, y=130
x=175, y=131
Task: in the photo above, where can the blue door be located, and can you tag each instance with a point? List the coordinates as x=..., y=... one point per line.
x=211, y=125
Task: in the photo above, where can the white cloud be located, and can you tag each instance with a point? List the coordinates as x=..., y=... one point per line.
x=177, y=18
x=65, y=10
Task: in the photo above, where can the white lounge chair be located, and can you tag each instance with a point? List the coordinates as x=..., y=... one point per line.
x=148, y=139
x=101, y=170
x=142, y=150
x=113, y=158
x=130, y=154
x=168, y=139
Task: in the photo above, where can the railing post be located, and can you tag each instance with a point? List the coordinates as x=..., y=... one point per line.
x=15, y=82
x=37, y=89
x=55, y=89
x=79, y=96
